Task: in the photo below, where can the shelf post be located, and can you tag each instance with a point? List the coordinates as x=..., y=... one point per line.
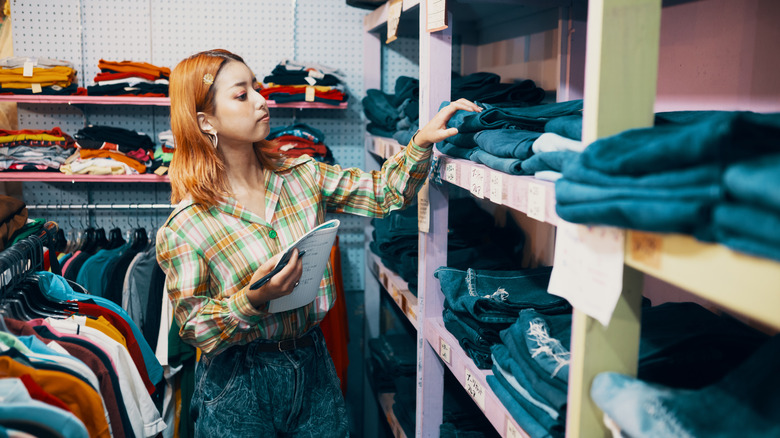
x=621, y=71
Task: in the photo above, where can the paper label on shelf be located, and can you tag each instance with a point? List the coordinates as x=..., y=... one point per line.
x=394, y=9
x=588, y=268
x=383, y=280
x=645, y=248
x=451, y=173
x=423, y=209
x=27, y=72
x=36, y=88
x=445, y=352
x=437, y=15
x=537, y=195
x=511, y=430
x=496, y=188
x=475, y=389
x=309, y=94
x=161, y=170
x=477, y=183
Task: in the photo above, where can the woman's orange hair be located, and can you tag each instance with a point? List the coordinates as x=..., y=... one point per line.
x=197, y=168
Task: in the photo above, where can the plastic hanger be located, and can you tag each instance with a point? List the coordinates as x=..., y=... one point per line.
x=100, y=238
x=115, y=239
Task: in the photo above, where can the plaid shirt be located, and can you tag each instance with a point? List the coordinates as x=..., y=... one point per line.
x=210, y=254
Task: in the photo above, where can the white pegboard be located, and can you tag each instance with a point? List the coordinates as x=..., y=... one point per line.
x=399, y=58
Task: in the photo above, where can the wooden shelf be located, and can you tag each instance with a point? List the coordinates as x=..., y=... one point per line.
x=383, y=147
x=130, y=100
x=396, y=287
x=526, y=194
x=460, y=365
x=742, y=283
x=61, y=177
x=386, y=401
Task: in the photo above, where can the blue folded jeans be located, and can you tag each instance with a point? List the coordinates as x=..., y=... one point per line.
x=745, y=403
x=555, y=426
x=497, y=296
x=507, y=143
x=522, y=382
x=523, y=418
x=548, y=161
x=380, y=110
x=512, y=166
x=695, y=176
x=747, y=182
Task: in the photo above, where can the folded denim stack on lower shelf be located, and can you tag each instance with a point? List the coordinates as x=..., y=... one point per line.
x=671, y=177
x=681, y=345
x=396, y=115
x=392, y=355
x=473, y=240
x=34, y=149
x=478, y=304
x=745, y=403
x=503, y=136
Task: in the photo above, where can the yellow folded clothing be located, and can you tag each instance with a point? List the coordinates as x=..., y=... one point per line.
x=58, y=75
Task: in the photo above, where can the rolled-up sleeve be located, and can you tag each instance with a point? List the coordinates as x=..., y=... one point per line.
x=376, y=193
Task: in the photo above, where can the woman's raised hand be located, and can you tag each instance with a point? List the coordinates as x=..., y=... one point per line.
x=436, y=129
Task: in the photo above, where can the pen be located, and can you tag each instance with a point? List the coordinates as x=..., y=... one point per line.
x=282, y=263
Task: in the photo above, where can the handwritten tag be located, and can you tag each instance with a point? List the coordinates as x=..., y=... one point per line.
x=477, y=186
x=437, y=15
x=645, y=248
x=451, y=173
x=496, y=188
x=536, y=201
x=309, y=94
x=36, y=88
x=588, y=268
x=475, y=389
x=445, y=352
x=27, y=71
x=383, y=280
x=511, y=430
x=394, y=9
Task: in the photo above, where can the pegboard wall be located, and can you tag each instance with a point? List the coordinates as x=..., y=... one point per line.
x=162, y=33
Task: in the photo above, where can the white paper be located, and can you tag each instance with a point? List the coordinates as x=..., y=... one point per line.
x=537, y=195
x=317, y=243
x=588, y=268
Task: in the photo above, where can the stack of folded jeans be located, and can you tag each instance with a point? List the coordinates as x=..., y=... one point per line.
x=681, y=345
x=746, y=402
x=396, y=115
x=479, y=304
x=749, y=218
x=502, y=136
x=473, y=240
x=667, y=178
x=392, y=356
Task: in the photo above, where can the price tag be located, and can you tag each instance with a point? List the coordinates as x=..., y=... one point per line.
x=394, y=9
x=451, y=173
x=588, y=268
x=36, y=88
x=445, y=352
x=477, y=186
x=161, y=170
x=475, y=389
x=423, y=210
x=496, y=188
x=383, y=280
x=310, y=80
x=536, y=201
x=27, y=72
x=309, y=94
x=511, y=430
x=437, y=15
x=645, y=248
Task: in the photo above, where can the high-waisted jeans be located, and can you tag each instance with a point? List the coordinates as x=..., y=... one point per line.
x=243, y=392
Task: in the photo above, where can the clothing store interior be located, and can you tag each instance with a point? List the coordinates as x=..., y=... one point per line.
x=462, y=218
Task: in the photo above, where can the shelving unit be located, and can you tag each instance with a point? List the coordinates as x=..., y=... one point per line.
x=61, y=177
x=396, y=287
x=382, y=147
x=386, y=401
x=156, y=101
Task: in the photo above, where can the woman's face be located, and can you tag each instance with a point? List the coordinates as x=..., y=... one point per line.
x=241, y=114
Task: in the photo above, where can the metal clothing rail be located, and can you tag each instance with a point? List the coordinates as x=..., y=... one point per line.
x=100, y=207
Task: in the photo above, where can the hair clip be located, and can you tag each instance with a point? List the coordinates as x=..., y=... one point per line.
x=208, y=79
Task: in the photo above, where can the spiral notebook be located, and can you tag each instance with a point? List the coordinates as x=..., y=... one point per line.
x=317, y=243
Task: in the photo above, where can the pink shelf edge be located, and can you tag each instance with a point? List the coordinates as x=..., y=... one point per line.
x=158, y=101
x=403, y=289
x=55, y=177
x=495, y=411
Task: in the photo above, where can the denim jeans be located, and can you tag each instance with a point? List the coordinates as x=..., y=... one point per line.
x=405, y=136
x=745, y=403
x=548, y=161
x=497, y=296
x=566, y=126
x=512, y=166
x=552, y=142
x=455, y=151
x=380, y=110
x=243, y=392
x=747, y=244
x=723, y=137
x=521, y=382
x=556, y=427
x=747, y=182
x=507, y=143
x=525, y=420
x=475, y=346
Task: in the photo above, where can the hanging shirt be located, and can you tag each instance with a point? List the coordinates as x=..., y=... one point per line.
x=210, y=254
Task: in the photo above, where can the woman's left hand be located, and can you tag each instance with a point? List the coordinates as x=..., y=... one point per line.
x=436, y=129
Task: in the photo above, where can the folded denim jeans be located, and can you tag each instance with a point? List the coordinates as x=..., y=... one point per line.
x=455, y=151
x=380, y=110
x=747, y=182
x=556, y=426
x=548, y=161
x=511, y=166
x=522, y=382
x=507, y=143
x=747, y=244
x=695, y=176
x=748, y=222
x=497, y=296
x=529, y=425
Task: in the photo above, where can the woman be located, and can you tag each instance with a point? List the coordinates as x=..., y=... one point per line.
x=261, y=373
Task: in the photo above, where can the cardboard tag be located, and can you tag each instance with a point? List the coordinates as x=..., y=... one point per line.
x=445, y=352
x=437, y=15
x=645, y=248
x=475, y=389
x=309, y=94
x=310, y=80
x=496, y=188
x=423, y=210
x=394, y=9
x=511, y=430
x=537, y=195
x=27, y=72
x=36, y=88
x=162, y=170
x=451, y=173
x=477, y=183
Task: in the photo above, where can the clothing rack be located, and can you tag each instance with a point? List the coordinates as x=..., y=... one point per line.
x=23, y=258
x=100, y=207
